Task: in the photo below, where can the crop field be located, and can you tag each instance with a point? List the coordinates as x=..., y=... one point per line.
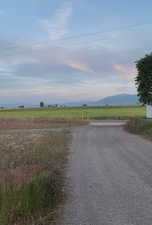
x=109, y=112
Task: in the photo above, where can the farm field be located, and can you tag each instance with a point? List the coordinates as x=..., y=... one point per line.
x=33, y=157
x=110, y=112
x=32, y=163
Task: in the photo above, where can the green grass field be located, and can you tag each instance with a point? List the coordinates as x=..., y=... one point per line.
x=113, y=112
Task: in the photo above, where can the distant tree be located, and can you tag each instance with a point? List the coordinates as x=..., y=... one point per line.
x=144, y=79
x=41, y=104
x=84, y=105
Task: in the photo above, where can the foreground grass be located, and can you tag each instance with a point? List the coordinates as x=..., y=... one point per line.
x=31, y=172
x=140, y=126
x=110, y=112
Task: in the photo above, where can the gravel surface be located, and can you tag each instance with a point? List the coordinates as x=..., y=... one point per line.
x=110, y=177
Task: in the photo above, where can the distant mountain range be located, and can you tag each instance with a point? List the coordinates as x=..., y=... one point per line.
x=121, y=99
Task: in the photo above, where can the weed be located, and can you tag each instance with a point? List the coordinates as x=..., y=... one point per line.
x=31, y=171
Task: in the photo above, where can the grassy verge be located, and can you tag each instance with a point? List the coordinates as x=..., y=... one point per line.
x=31, y=175
x=140, y=126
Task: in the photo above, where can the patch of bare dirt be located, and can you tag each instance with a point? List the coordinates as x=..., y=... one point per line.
x=39, y=123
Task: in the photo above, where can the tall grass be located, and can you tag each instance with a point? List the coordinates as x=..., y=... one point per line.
x=31, y=172
x=31, y=200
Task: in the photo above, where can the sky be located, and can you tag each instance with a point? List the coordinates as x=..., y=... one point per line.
x=59, y=51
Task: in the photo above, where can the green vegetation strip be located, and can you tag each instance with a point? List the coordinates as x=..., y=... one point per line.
x=140, y=126
x=109, y=112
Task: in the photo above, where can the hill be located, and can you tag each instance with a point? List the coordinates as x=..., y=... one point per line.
x=121, y=99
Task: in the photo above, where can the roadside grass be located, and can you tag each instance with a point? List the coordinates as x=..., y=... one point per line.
x=32, y=200
x=141, y=127
x=104, y=112
x=31, y=175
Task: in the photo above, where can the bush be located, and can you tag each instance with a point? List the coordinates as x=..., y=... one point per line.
x=140, y=126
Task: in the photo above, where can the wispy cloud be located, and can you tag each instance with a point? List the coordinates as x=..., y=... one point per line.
x=128, y=71
x=57, y=26
x=66, y=73
x=80, y=66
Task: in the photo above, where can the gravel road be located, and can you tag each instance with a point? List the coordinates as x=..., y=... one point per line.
x=110, y=176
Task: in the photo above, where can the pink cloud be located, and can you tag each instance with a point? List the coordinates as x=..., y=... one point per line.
x=128, y=71
x=80, y=66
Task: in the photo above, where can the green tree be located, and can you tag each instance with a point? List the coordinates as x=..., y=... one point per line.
x=144, y=79
x=41, y=104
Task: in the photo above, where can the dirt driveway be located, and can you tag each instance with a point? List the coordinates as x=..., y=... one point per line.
x=110, y=177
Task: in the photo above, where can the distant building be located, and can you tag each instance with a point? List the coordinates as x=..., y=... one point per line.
x=149, y=111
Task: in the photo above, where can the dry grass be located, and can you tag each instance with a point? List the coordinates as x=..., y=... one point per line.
x=29, y=147
x=32, y=163
x=40, y=123
x=31, y=174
